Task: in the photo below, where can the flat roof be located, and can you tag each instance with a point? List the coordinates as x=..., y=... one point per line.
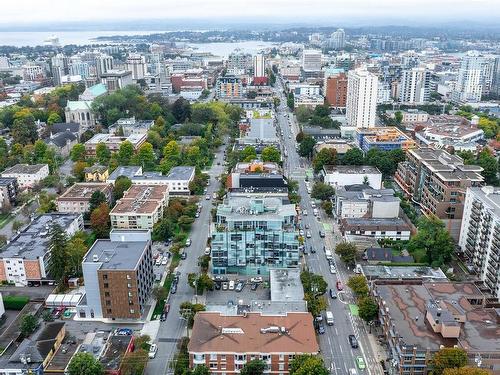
x=181, y=173
x=116, y=255
x=400, y=272
x=286, y=285
x=129, y=171
x=141, y=199
x=32, y=242
x=116, y=347
x=84, y=190
x=351, y=169
x=375, y=223
x=254, y=333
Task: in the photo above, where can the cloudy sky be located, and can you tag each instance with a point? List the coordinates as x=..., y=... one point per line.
x=30, y=11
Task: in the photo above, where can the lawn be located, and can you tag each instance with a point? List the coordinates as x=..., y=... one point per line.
x=4, y=219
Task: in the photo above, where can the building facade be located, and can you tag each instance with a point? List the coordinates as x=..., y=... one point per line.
x=344, y=175
x=229, y=87
x=27, y=175
x=383, y=138
x=415, y=87
x=362, y=91
x=77, y=198
x=336, y=90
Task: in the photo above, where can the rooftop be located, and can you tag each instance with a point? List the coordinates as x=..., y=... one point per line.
x=4, y=181
x=116, y=255
x=351, y=169
x=116, y=347
x=489, y=195
x=127, y=171
x=403, y=272
x=375, y=224
x=266, y=208
x=286, y=285
x=181, y=173
x=141, y=199
x=109, y=138
x=32, y=242
x=96, y=168
x=84, y=190
x=24, y=169
x=254, y=333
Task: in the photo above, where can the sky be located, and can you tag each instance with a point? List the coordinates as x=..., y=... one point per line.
x=27, y=12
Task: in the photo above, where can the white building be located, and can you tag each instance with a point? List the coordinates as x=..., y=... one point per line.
x=305, y=89
x=32, y=72
x=259, y=65
x=104, y=63
x=337, y=39
x=469, y=86
x=311, y=101
x=415, y=86
x=362, y=91
x=311, y=60
x=345, y=175
x=136, y=63
x=480, y=235
x=80, y=111
x=27, y=175
x=367, y=203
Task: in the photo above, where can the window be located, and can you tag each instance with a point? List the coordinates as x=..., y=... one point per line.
x=213, y=365
x=106, y=285
x=106, y=294
x=281, y=366
x=104, y=277
x=128, y=277
x=213, y=357
x=132, y=311
x=282, y=357
x=108, y=302
x=223, y=357
x=129, y=285
x=109, y=311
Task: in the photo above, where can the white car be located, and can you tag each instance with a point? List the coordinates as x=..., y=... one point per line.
x=308, y=234
x=332, y=269
x=301, y=232
x=305, y=212
x=188, y=242
x=207, y=197
x=164, y=261
x=152, y=351
x=207, y=251
x=158, y=262
x=257, y=279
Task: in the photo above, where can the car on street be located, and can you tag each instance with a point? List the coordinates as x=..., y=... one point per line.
x=124, y=332
x=352, y=371
x=217, y=285
x=332, y=269
x=257, y=279
x=207, y=251
x=304, y=212
x=322, y=234
x=188, y=242
x=361, y=363
x=333, y=294
x=321, y=329
x=307, y=226
x=164, y=261
x=197, y=214
x=308, y=234
x=173, y=289
x=152, y=351
x=318, y=318
x=254, y=286
x=163, y=317
x=313, y=205
x=158, y=262
x=214, y=195
x=183, y=255
x=224, y=286
x=339, y=285
x=353, y=342
x=301, y=233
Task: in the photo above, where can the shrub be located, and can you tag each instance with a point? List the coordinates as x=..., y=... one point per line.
x=15, y=302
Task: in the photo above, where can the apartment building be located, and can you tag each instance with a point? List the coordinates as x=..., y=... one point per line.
x=224, y=344
x=361, y=105
x=76, y=199
x=113, y=142
x=141, y=207
x=25, y=258
x=116, y=79
x=311, y=60
x=253, y=235
x=367, y=203
x=336, y=90
x=129, y=126
x=8, y=192
x=411, y=116
x=345, y=175
x=415, y=86
x=480, y=235
x=118, y=276
x=418, y=318
x=380, y=228
x=27, y=175
x=438, y=181
x=383, y=138
x=229, y=87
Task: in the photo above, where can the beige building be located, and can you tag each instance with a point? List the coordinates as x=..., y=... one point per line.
x=27, y=175
x=96, y=173
x=141, y=207
x=77, y=198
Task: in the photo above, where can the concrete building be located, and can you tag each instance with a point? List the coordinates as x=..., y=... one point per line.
x=337, y=40
x=224, y=344
x=415, y=86
x=260, y=130
x=136, y=63
x=116, y=79
x=93, y=92
x=104, y=63
x=253, y=235
x=343, y=175
x=80, y=111
x=229, y=87
x=438, y=181
x=113, y=142
x=411, y=116
x=25, y=258
x=471, y=78
x=259, y=65
x=305, y=89
x=256, y=174
x=361, y=98
x=336, y=90
x=419, y=318
x=141, y=207
x=366, y=203
x=9, y=189
x=27, y=175
x=310, y=101
x=240, y=61
x=480, y=235
x=129, y=126
x=118, y=276
x=383, y=138
x=311, y=60
x=395, y=229
x=76, y=199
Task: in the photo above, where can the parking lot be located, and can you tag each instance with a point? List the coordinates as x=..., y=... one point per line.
x=247, y=294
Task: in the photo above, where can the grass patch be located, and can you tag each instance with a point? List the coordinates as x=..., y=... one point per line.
x=4, y=219
x=161, y=303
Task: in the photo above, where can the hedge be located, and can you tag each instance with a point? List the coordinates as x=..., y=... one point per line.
x=15, y=302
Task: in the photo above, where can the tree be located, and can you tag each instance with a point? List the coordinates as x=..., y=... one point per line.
x=58, y=261
x=159, y=293
x=303, y=113
x=24, y=130
x=142, y=342
x=77, y=153
x=307, y=146
x=53, y=118
x=76, y=251
x=248, y=154
x=490, y=167
x=47, y=202
x=359, y=285
x=171, y=156
x=322, y=110
x=181, y=109
x=306, y=364
x=354, y=156
x=271, y=153
x=125, y=153
x=347, y=252
x=102, y=153
x=313, y=283
x=368, y=309
x=122, y=184
x=299, y=137
x=398, y=116
x=325, y=156
x=466, y=371
x=100, y=222
x=28, y=324
x=85, y=364
x=96, y=199
x=432, y=239
x=254, y=367
x=448, y=358
x=322, y=191
x=79, y=170
x=290, y=101
x=327, y=206
x=200, y=370
x=134, y=363
x=146, y=157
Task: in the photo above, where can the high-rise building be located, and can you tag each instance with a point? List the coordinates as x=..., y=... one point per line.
x=361, y=105
x=239, y=61
x=136, y=63
x=475, y=72
x=480, y=235
x=311, y=60
x=337, y=39
x=495, y=84
x=229, y=87
x=336, y=90
x=60, y=68
x=415, y=87
x=78, y=67
x=104, y=63
x=259, y=65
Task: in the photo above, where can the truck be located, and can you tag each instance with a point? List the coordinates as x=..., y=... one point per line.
x=329, y=318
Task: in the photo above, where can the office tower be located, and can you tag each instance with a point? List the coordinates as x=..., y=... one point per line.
x=136, y=63
x=471, y=78
x=259, y=65
x=337, y=39
x=311, y=60
x=361, y=106
x=59, y=68
x=104, y=63
x=415, y=86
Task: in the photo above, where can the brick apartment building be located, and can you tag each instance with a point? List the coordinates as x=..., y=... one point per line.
x=336, y=90
x=224, y=344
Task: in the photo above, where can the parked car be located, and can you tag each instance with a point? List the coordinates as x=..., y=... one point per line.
x=307, y=226
x=308, y=234
x=152, y=351
x=197, y=214
x=333, y=269
x=322, y=234
x=257, y=279
x=333, y=294
x=224, y=286
x=124, y=332
x=173, y=289
x=163, y=317
x=312, y=250
x=207, y=251
x=301, y=232
x=361, y=363
x=231, y=285
x=239, y=286
x=321, y=329
x=353, y=341
x=164, y=261
x=254, y=286
x=183, y=255
x=352, y=371
x=207, y=197
x=188, y=242
x=158, y=262
x=339, y=286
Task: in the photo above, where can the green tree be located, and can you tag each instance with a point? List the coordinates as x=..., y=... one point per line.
x=307, y=146
x=347, y=252
x=448, y=358
x=58, y=261
x=146, y=157
x=203, y=370
x=465, y=371
x=290, y=101
x=122, y=184
x=96, y=199
x=102, y=153
x=359, y=285
x=100, y=221
x=313, y=283
x=134, y=363
x=432, y=239
x=322, y=191
x=490, y=167
x=327, y=206
x=171, y=156
x=77, y=153
x=398, y=116
x=325, y=156
x=248, y=154
x=254, y=367
x=271, y=153
x=24, y=130
x=159, y=293
x=306, y=364
x=47, y=202
x=79, y=170
x=181, y=109
x=125, y=153
x=354, y=156
x=53, y=118
x=368, y=309
x=85, y=364
x=303, y=113
x=76, y=251
x=28, y=324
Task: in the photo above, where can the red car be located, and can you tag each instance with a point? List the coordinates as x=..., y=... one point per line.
x=339, y=286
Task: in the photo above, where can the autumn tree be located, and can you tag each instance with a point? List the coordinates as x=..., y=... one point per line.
x=347, y=252
x=359, y=285
x=306, y=364
x=100, y=222
x=448, y=358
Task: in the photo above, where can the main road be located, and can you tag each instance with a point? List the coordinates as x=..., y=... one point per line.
x=335, y=347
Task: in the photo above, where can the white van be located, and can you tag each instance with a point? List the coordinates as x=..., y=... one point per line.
x=231, y=285
x=315, y=212
x=329, y=318
x=328, y=254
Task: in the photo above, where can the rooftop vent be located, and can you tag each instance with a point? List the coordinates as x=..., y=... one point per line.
x=95, y=258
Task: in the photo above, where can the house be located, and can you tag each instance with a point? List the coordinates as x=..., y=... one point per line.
x=27, y=175
x=96, y=173
x=63, y=142
x=113, y=142
x=375, y=255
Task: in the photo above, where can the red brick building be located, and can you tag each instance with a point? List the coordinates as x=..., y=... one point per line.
x=336, y=90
